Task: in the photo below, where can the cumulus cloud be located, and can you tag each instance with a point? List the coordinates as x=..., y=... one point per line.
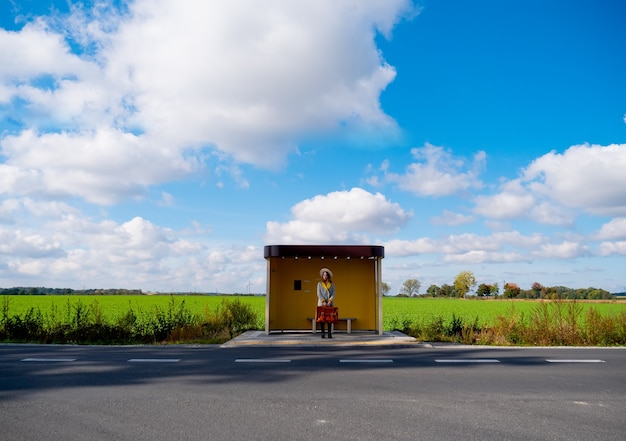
x=101, y=167
x=585, y=177
x=613, y=248
x=160, y=83
x=339, y=217
x=482, y=256
x=251, y=82
x=510, y=246
x=437, y=172
x=28, y=244
x=60, y=244
x=33, y=51
x=452, y=219
x=402, y=248
x=509, y=204
x=563, y=250
x=612, y=230
x=555, y=187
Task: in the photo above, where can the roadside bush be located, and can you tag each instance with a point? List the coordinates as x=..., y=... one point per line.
x=434, y=330
x=437, y=329
x=401, y=323
x=88, y=324
x=553, y=323
x=601, y=330
x=22, y=329
x=558, y=323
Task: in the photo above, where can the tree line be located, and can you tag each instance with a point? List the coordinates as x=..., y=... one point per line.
x=465, y=282
x=42, y=291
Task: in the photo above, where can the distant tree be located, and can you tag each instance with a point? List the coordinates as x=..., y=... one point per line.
x=433, y=291
x=511, y=290
x=463, y=282
x=551, y=293
x=483, y=290
x=596, y=294
x=385, y=288
x=538, y=289
x=495, y=290
x=447, y=291
x=527, y=294
x=410, y=287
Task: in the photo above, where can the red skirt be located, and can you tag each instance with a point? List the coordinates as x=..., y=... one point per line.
x=327, y=314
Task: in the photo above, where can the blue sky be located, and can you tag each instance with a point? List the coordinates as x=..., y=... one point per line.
x=160, y=145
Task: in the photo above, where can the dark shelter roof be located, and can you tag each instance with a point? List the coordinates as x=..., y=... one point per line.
x=330, y=251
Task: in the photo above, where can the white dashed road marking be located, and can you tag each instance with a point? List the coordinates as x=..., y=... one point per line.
x=467, y=360
x=575, y=361
x=50, y=360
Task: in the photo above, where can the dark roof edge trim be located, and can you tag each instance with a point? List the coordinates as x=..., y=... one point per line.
x=356, y=251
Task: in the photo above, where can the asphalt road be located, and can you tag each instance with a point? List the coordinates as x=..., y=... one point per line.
x=311, y=393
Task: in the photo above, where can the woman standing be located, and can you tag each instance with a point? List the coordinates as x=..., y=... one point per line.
x=326, y=295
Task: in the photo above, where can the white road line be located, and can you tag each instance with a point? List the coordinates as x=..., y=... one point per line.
x=51, y=360
x=467, y=360
x=367, y=361
x=154, y=360
x=262, y=360
x=575, y=361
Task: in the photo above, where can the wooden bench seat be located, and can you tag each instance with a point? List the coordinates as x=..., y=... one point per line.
x=348, y=321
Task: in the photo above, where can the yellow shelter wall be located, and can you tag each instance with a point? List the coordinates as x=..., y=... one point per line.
x=355, y=291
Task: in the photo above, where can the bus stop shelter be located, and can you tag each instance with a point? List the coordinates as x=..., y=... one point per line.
x=293, y=272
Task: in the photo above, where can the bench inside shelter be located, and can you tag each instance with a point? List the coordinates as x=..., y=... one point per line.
x=348, y=321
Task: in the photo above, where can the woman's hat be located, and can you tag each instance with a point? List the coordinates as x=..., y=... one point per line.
x=323, y=270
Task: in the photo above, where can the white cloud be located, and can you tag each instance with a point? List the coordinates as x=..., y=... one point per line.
x=34, y=51
x=554, y=187
x=586, y=177
x=612, y=230
x=438, y=173
x=28, y=244
x=548, y=213
x=474, y=246
x=102, y=166
x=613, y=248
x=481, y=256
x=451, y=219
x=252, y=81
x=512, y=203
x=167, y=200
x=402, y=248
x=563, y=250
x=339, y=217
x=64, y=247
x=156, y=86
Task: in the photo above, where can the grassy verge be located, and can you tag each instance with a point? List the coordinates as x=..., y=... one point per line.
x=76, y=321
x=536, y=323
x=215, y=319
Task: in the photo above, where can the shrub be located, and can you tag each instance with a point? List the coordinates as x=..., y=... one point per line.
x=83, y=323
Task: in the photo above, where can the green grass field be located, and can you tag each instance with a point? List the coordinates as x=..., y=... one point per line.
x=395, y=309
x=487, y=311
x=116, y=306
